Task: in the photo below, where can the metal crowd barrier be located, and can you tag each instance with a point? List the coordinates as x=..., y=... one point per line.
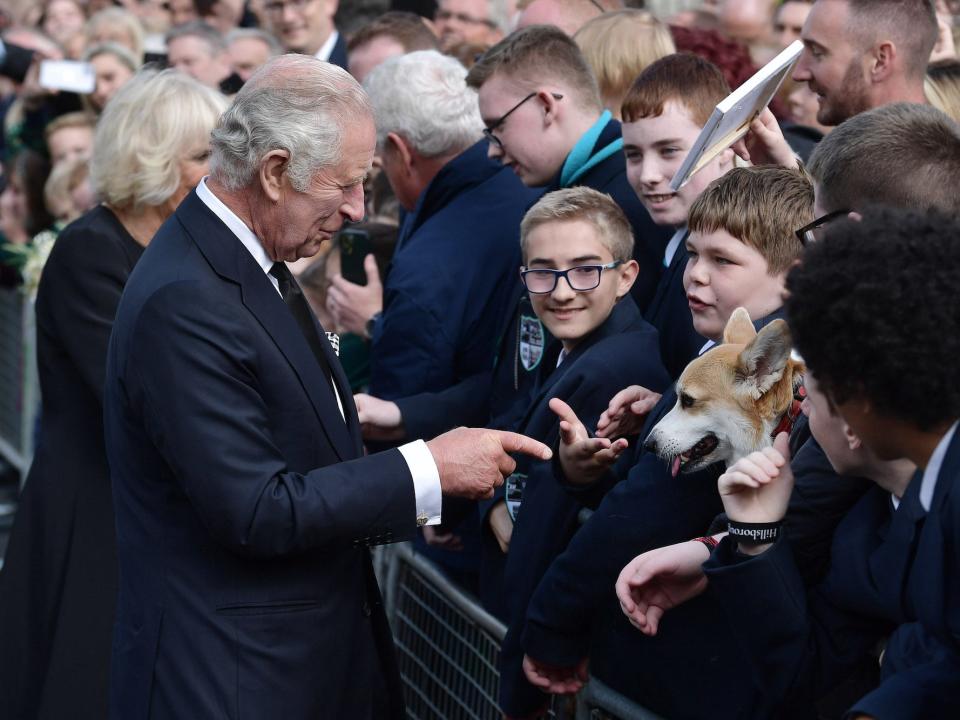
x=19, y=388
x=448, y=647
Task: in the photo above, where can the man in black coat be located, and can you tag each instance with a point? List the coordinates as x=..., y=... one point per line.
x=245, y=507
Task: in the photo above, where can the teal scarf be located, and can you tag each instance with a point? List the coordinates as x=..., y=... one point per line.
x=579, y=161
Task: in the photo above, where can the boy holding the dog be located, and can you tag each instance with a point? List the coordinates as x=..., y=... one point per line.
x=577, y=248
x=741, y=243
x=870, y=326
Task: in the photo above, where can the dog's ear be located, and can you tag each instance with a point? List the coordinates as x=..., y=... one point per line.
x=739, y=329
x=764, y=360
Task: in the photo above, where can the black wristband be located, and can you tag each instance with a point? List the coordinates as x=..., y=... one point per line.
x=754, y=533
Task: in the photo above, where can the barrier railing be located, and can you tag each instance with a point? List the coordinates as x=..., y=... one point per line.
x=19, y=389
x=448, y=647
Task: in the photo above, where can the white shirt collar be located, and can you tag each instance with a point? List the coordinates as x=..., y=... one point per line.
x=930, y=474
x=673, y=245
x=237, y=227
x=324, y=52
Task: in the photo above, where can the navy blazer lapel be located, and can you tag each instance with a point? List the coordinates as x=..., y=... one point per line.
x=230, y=260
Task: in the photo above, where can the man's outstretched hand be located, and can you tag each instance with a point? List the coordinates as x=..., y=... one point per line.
x=473, y=462
x=553, y=678
x=584, y=459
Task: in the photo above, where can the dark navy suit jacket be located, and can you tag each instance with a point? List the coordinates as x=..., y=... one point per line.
x=244, y=505
x=338, y=56
x=454, y=274
x=623, y=351
x=888, y=570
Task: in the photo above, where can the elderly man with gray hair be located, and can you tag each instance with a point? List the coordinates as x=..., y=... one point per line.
x=245, y=507
x=454, y=274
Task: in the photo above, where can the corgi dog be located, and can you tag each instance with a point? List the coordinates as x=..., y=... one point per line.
x=731, y=399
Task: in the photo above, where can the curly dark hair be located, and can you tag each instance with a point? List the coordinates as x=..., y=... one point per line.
x=874, y=309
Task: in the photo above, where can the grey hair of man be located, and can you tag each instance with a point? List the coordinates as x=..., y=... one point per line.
x=198, y=29
x=294, y=103
x=423, y=97
x=263, y=36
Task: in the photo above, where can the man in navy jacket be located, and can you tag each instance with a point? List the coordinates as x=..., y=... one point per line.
x=244, y=504
x=454, y=272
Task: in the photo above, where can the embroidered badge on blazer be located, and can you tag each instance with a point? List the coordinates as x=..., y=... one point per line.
x=513, y=489
x=531, y=341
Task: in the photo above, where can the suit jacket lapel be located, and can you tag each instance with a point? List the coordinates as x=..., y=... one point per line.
x=231, y=260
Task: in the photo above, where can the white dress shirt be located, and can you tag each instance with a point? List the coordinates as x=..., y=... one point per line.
x=324, y=52
x=930, y=474
x=423, y=468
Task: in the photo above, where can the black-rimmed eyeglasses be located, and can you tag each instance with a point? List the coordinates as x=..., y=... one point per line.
x=813, y=232
x=582, y=278
x=488, y=130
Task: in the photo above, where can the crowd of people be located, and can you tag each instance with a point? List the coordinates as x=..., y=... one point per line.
x=311, y=279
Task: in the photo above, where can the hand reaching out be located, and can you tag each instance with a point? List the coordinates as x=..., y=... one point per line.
x=473, y=462
x=659, y=580
x=626, y=412
x=584, y=459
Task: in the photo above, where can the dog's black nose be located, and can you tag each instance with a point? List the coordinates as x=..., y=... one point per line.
x=650, y=445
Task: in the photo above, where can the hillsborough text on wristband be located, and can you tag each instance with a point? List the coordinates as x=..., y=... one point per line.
x=754, y=533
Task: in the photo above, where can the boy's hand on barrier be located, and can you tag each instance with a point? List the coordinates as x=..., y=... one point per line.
x=659, y=580
x=627, y=412
x=472, y=462
x=501, y=524
x=756, y=489
x=553, y=678
x=584, y=459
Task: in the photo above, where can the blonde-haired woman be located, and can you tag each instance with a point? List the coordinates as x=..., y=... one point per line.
x=618, y=46
x=58, y=584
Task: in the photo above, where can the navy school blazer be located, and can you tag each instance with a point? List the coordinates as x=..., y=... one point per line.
x=623, y=351
x=244, y=505
x=890, y=571
x=645, y=507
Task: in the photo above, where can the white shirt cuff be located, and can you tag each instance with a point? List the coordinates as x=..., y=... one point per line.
x=426, y=482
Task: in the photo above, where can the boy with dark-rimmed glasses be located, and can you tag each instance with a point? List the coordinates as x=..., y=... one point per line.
x=578, y=270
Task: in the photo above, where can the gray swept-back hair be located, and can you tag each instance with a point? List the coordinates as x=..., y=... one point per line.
x=423, y=97
x=294, y=103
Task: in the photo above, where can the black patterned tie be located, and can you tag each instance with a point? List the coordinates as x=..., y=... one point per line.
x=297, y=304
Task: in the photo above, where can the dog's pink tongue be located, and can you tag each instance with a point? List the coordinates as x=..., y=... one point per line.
x=675, y=466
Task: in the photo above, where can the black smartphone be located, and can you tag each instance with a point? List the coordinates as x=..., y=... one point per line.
x=354, y=247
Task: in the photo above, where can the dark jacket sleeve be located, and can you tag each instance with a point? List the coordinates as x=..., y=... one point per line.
x=649, y=509
x=798, y=645
x=216, y=437
x=428, y=414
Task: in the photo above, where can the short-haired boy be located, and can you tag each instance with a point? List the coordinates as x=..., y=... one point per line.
x=872, y=309
x=663, y=113
x=577, y=249
x=740, y=249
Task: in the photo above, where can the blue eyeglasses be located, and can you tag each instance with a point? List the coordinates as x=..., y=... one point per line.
x=582, y=278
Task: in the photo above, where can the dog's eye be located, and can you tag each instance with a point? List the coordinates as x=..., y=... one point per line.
x=686, y=401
